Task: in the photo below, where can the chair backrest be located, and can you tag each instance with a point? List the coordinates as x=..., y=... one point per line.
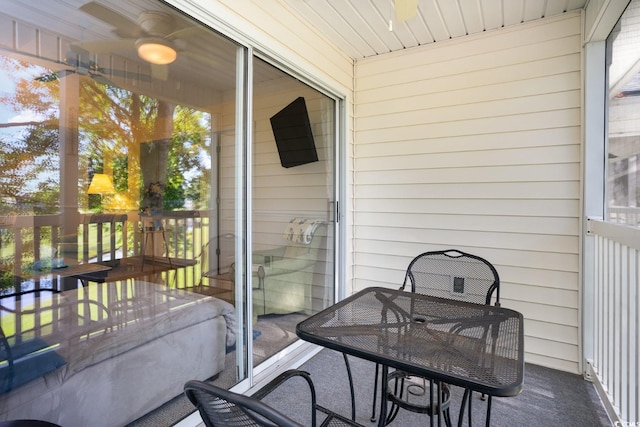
x=111, y=247
x=305, y=238
x=455, y=275
x=220, y=407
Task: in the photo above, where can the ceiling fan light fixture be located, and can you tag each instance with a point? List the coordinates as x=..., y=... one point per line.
x=156, y=50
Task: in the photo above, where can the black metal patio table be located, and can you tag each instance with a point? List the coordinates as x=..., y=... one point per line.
x=477, y=347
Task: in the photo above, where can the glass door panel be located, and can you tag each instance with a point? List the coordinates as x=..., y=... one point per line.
x=293, y=167
x=623, y=124
x=81, y=105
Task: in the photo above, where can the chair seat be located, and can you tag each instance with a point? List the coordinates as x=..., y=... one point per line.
x=336, y=420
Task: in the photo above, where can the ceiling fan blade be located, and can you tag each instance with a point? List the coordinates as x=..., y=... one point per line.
x=124, y=27
x=102, y=79
x=103, y=46
x=48, y=77
x=208, y=61
x=405, y=9
x=104, y=76
x=160, y=72
x=185, y=33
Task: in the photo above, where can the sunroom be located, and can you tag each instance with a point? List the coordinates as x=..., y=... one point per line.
x=158, y=224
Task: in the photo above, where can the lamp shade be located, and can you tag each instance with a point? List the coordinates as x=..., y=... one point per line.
x=156, y=50
x=101, y=184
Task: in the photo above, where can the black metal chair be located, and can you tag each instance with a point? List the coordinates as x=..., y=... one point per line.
x=451, y=274
x=6, y=364
x=220, y=407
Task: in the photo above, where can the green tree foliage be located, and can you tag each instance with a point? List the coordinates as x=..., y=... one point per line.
x=112, y=123
x=190, y=134
x=28, y=182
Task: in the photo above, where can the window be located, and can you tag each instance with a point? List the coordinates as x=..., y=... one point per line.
x=623, y=164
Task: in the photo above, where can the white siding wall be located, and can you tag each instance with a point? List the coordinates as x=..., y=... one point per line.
x=475, y=144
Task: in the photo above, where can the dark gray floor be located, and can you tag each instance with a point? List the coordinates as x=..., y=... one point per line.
x=549, y=397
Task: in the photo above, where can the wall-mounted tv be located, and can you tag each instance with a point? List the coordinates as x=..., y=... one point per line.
x=292, y=131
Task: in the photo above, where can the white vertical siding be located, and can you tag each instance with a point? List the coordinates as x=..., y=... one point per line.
x=475, y=144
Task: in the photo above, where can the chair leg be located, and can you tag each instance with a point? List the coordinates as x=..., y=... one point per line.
x=447, y=417
x=446, y=414
x=468, y=394
x=465, y=397
x=375, y=394
x=393, y=410
x=488, y=412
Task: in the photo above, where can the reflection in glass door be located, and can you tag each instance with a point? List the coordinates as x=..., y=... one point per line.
x=292, y=271
x=165, y=227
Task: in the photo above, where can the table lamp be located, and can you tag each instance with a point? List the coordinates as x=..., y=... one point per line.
x=101, y=184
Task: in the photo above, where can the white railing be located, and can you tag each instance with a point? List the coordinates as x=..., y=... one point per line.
x=25, y=240
x=615, y=358
x=624, y=215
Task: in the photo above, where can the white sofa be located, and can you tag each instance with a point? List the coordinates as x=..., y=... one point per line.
x=140, y=344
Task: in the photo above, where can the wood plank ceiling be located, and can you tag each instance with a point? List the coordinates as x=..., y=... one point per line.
x=363, y=28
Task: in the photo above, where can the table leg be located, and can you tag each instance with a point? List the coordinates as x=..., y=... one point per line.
x=437, y=402
x=488, y=412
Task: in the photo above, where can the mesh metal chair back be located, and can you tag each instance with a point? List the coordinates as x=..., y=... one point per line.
x=455, y=275
x=220, y=407
x=6, y=364
x=450, y=274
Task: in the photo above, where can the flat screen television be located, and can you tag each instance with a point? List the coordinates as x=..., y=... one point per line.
x=292, y=131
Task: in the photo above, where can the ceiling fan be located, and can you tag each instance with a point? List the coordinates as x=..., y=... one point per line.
x=81, y=64
x=153, y=36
